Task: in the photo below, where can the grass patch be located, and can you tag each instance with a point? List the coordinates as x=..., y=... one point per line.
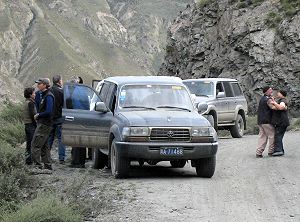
x=43, y=209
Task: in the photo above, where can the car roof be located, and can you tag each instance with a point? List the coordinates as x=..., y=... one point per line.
x=211, y=80
x=123, y=80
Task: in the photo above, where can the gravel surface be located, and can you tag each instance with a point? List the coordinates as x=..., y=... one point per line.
x=243, y=188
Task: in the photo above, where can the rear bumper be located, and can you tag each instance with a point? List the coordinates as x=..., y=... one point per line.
x=150, y=151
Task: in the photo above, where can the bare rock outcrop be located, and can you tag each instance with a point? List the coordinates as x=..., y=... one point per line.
x=258, y=44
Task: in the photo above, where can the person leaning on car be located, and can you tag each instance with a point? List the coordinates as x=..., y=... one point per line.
x=44, y=117
x=266, y=129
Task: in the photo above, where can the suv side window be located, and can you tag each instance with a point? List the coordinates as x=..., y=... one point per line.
x=110, y=100
x=219, y=88
x=80, y=97
x=228, y=90
x=236, y=89
x=104, y=90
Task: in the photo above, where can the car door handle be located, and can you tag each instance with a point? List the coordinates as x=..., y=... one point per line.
x=69, y=118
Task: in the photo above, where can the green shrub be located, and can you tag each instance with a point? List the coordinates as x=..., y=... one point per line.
x=45, y=208
x=12, y=129
x=290, y=7
x=12, y=112
x=202, y=3
x=14, y=176
x=273, y=19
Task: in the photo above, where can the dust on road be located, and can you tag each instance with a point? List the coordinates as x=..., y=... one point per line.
x=243, y=188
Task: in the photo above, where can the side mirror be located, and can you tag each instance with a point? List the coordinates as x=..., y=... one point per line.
x=101, y=107
x=221, y=95
x=202, y=108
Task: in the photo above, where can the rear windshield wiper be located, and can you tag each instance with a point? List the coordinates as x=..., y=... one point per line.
x=174, y=107
x=139, y=107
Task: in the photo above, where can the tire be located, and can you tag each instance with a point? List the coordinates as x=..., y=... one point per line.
x=178, y=163
x=211, y=120
x=206, y=167
x=237, y=131
x=119, y=165
x=99, y=159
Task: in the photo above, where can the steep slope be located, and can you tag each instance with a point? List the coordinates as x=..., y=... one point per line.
x=256, y=42
x=92, y=38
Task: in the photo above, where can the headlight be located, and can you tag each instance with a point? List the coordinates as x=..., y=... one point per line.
x=203, y=131
x=135, y=131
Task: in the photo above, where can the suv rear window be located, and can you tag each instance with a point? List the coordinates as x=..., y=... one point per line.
x=236, y=89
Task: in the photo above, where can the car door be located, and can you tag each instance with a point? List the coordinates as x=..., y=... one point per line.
x=230, y=114
x=221, y=104
x=83, y=126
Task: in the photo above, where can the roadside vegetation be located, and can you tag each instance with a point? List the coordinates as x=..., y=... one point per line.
x=67, y=195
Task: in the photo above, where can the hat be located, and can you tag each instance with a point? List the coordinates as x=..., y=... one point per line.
x=44, y=81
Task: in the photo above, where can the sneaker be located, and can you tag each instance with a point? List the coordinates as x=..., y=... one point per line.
x=62, y=162
x=48, y=167
x=259, y=156
x=270, y=154
x=278, y=153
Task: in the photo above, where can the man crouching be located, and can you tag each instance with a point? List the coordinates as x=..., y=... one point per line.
x=44, y=117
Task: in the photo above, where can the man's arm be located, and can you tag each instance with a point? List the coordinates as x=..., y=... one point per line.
x=281, y=106
x=271, y=104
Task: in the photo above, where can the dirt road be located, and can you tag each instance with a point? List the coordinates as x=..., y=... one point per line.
x=243, y=188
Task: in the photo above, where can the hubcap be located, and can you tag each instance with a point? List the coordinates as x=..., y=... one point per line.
x=241, y=126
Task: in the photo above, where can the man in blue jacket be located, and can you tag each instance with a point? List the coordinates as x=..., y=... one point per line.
x=44, y=117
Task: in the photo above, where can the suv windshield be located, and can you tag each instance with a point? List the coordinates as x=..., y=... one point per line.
x=155, y=97
x=201, y=88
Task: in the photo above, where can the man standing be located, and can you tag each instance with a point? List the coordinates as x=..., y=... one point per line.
x=44, y=117
x=266, y=129
x=57, y=91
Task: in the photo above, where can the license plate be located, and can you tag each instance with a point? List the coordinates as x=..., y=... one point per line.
x=171, y=151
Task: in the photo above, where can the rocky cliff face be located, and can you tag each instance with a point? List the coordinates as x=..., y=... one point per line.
x=93, y=39
x=258, y=44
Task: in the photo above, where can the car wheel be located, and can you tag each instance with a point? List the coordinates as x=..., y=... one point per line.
x=99, y=159
x=237, y=131
x=178, y=163
x=211, y=120
x=119, y=165
x=206, y=167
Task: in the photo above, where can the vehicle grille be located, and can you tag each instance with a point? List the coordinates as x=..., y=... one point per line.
x=170, y=134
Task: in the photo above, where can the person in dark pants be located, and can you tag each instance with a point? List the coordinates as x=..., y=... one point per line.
x=57, y=91
x=30, y=124
x=44, y=117
x=78, y=102
x=280, y=121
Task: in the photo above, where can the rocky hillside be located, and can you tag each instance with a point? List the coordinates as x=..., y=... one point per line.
x=91, y=38
x=255, y=41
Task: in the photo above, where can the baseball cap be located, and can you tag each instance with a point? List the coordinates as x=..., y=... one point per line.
x=44, y=81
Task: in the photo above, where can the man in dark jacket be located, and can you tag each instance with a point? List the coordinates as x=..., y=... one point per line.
x=266, y=129
x=44, y=117
x=57, y=91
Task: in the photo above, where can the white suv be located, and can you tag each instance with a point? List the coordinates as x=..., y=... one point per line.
x=227, y=104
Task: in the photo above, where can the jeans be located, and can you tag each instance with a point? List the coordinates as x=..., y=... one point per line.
x=56, y=131
x=29, y=132
x=279, y=133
